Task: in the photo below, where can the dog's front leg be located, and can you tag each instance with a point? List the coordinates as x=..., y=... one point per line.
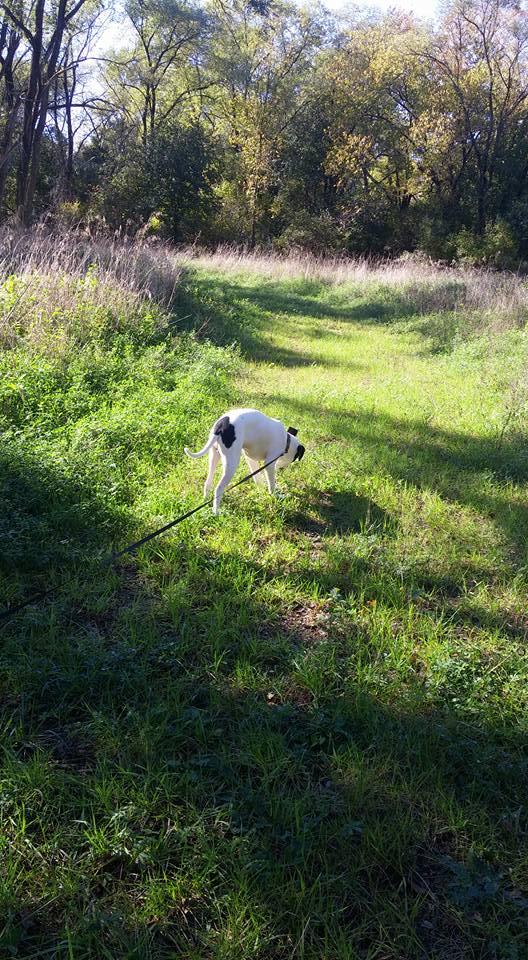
x=254, y=465
x=270, y=476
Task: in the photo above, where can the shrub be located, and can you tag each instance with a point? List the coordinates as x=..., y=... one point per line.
x=318, y=233
x=498, y=247
x=170, y=177
x=68, y=213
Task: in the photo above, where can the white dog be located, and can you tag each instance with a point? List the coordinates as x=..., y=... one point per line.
x=258, y=437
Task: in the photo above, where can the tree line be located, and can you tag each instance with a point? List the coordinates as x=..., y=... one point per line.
x=265, y=122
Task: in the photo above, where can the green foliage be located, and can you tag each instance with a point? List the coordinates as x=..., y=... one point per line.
x=319, y=233
x=275, y=125
x=170, y=177
x=68, y=213
x=498, y=247
x=57, y=314
x=92, y=384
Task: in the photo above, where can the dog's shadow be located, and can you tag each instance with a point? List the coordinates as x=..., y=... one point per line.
x=338, y=512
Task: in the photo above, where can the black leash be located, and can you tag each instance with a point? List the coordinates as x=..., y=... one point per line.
x=184, y=516
x=37, y=597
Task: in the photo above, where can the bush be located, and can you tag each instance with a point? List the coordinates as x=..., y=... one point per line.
x=68, y=213
x=318, y=233
x=498, y=247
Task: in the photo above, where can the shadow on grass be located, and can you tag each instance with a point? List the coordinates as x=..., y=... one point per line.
x=50, y=522
x=176, y=784
x=278, y=298
x=476, y=471
x=337, y=512
x=225, y=311
x=140, y=733
x=145, y=746
x=228, y=311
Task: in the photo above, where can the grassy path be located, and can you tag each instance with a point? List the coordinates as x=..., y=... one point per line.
x=297, y=731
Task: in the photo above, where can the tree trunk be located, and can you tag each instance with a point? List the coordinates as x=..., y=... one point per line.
x=253, y=235
x=30, y=102
x=12, y=104
x=42, y=74
x=482, y=191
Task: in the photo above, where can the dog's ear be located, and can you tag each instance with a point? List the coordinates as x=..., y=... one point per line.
x=299, y=453
x=293, y=431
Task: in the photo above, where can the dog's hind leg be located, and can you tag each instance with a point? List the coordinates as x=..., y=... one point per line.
x=229, y=463
x=214, y=460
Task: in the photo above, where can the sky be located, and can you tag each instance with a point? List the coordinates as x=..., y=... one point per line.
x=423, y=8
x=112, y=36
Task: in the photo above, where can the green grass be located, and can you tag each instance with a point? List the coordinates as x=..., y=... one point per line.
x=297, y=730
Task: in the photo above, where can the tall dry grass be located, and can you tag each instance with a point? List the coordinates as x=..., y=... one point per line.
x=425, y=286
x=59, y=274
x=51, y=284
x=139, y=268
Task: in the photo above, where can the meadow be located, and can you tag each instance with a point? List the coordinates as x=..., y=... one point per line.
x=297, y=730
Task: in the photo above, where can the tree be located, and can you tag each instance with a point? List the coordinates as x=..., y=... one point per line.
x=10, y=96
x=170, y=176
x=377, y=96
x=41, y=27
x=261, y=58
x=479, y=57
x=154, y=80
x=259, y=121
x=70, y=106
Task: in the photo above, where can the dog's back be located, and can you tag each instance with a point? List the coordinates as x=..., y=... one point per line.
x=257, y=433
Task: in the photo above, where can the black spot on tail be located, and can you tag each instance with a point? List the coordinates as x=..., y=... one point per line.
x=225, y=429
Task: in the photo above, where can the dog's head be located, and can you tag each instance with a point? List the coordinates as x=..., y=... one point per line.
x=294, y=451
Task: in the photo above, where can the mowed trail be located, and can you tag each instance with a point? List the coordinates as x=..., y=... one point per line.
x=382, y=411
x=330, y=355
x=410, y=501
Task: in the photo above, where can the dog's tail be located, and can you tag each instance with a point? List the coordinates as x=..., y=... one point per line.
x=204, y=450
